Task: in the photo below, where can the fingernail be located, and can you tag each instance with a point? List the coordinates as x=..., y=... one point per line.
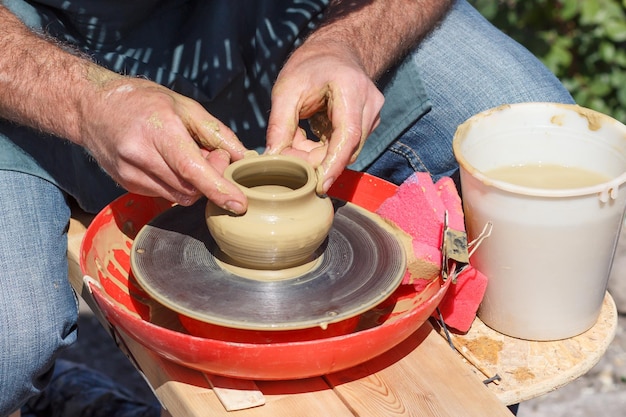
x=185, y=200
x=327, y=184
x=234, y=207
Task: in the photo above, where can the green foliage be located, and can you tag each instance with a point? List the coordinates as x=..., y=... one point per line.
x=583, y=42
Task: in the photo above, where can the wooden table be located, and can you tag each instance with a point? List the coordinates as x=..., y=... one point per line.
x=423, y=376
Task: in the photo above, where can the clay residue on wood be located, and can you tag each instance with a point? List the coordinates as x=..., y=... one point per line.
x=484, y=348
x=522, y=374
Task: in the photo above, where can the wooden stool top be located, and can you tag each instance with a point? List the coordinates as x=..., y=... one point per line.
x=529, y=369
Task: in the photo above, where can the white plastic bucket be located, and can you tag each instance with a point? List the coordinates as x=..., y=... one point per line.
x=550, y=251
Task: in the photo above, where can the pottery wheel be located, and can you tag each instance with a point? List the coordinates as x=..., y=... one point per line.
x=175, y=259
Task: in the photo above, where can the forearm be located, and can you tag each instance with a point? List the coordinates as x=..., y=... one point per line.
x=43, y=86
x=380, y=32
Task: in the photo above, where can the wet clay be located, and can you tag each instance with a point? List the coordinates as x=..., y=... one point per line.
x=595, y=120
x=228, y=264
x=286, y=221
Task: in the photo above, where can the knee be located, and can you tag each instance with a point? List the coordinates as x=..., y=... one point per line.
x=30, y=344
x=38, y=309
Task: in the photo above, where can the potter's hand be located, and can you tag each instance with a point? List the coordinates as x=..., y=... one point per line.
x=332, y=71
x=326, y=83
x=146, y=137
x=142, y=134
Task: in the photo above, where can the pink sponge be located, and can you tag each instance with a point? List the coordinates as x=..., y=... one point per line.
x=418, y=208
x=446, y=190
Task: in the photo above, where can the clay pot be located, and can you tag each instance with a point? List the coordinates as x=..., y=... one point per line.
x=286, y=221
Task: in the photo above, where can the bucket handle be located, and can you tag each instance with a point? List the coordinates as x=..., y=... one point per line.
x=611, y=189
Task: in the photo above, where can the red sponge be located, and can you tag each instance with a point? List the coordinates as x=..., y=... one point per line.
x=459, y=305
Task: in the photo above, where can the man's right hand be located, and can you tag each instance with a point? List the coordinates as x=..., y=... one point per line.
x=150, y=139
x=155, y=142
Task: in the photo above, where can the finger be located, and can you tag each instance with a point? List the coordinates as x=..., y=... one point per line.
x=189, y=165
x=351, y=127
x=219, y=160
x=303, y=143
x=282, y=126
x=210, y=182
x=313, y=156
x=301, y=147
x=344, y=141
x=212, y=134
x=154, y=186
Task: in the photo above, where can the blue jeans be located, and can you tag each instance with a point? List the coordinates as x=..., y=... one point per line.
x=467, y=66
x=38, y=309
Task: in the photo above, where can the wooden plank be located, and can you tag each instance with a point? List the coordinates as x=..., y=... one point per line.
x=299, y=398
x=422, y=377
x=184, y=392
x=78, y=226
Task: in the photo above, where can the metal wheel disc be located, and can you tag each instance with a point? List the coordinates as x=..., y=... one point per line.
x=176, y=261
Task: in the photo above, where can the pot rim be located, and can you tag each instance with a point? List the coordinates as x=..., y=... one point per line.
x=264, y=164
